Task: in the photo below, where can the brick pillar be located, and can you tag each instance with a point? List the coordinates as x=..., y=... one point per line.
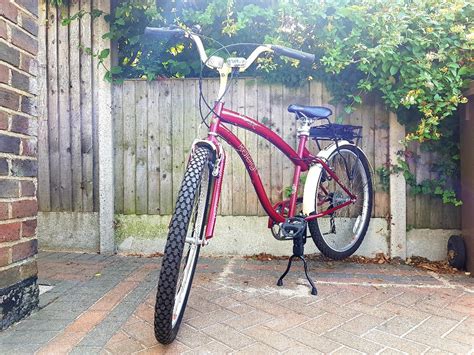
x=18, y=165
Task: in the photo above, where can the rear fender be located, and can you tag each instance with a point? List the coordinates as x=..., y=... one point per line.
x=312, y=179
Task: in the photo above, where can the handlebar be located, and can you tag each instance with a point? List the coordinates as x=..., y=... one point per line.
x=164, y=32
x=279, y=50
x=293, y=53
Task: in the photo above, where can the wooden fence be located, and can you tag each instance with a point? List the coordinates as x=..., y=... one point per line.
x=155, y=124
x=67, y=145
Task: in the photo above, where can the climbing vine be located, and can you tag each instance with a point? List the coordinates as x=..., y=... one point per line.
x=416, y=55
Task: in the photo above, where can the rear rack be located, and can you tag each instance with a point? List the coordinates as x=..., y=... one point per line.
x=336, y=132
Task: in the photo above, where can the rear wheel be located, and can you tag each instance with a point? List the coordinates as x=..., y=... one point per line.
x=338, y=234
x=182, y=247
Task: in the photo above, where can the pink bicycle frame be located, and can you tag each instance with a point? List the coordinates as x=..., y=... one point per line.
x=301, y=158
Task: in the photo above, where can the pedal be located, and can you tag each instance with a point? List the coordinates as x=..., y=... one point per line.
x=293, y=227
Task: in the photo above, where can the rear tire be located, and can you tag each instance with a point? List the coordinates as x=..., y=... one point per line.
x=340, y=235
x=186, y=229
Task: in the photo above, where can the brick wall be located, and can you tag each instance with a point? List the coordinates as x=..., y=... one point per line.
x=18, y=164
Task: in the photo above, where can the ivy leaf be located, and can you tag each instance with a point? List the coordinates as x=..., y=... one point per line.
x=116, y=70
x=104, y=53
x=393, y=70
x=96, y=13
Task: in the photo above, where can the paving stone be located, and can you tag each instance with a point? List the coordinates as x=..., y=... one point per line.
x=324, y=323
x=100, y=335
x=141, y=332
x=362, y=324
x=284, y=322
x=19, y=349
x=395, y=342
x=27, y=337
x=382, y=296
x=461, y=337
x=228, y=336
x=212, y=348
x=174, y=348
x=247, y=320
x=444, y=344
x=312, y=340
x=353, y=341
x=271, y=338
x=400, y=310
x=301, y=349
x=259, y=348
x=86, y=350
x=344, y=350
x=126, y=346
x=436, y=326
x=398, y=325
x=208, y=319
x=191, y=337
x=390, y=351
x=44, y=325
x=245, y=312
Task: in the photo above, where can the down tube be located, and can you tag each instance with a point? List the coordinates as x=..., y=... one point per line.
x=240, y=148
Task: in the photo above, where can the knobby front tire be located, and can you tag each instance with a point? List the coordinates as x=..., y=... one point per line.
x=182, y=248
x=339, y=235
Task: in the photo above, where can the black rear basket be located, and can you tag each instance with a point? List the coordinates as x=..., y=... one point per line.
x=335, y=132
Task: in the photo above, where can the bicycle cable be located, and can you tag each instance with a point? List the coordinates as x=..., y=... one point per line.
x=234, y=74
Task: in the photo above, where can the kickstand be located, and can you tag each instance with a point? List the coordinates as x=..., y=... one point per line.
x=298, y=252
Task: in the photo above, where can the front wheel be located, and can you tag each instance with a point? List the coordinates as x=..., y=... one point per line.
x=340, y=233
x=182, y=247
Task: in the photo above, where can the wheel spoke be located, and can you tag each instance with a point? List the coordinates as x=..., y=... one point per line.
x=344, y=227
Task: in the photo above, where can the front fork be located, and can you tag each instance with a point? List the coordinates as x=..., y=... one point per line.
x=218, y=175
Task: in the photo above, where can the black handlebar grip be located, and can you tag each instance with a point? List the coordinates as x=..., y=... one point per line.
x=293, y=53
x=163, y=32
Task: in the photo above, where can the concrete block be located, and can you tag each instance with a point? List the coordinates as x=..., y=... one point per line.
x=241, y=235
x=429, y=243
x=69, y=231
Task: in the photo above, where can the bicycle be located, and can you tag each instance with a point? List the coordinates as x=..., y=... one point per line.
x=335, y=206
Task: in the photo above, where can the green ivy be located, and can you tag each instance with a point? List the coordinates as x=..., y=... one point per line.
x=416, y=55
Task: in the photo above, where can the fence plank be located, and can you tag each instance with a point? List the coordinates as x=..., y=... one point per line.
x=288, y=134
x=277, y=112
x=153, y=149
x=177, y=135
x=381, y=196
x=227, y=187
x=436, y=216
x=141, y=110
x=264, y=153
x=64, y=118
x=117, y=112
x=251, y=109
x=87, y=119
x=129, y=148
x=239, y=197
x=44, y=196
x=423, y=202
x=53, y=119
x=75, y=115
x=166, y=169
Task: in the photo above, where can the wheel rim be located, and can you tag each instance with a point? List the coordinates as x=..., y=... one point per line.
x=344, y=228
x=191, y=246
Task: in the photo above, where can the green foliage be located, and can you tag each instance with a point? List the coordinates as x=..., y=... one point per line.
x=416, y=55
x=384, y=177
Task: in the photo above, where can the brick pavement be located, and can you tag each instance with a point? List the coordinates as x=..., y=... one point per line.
x=104, y=305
